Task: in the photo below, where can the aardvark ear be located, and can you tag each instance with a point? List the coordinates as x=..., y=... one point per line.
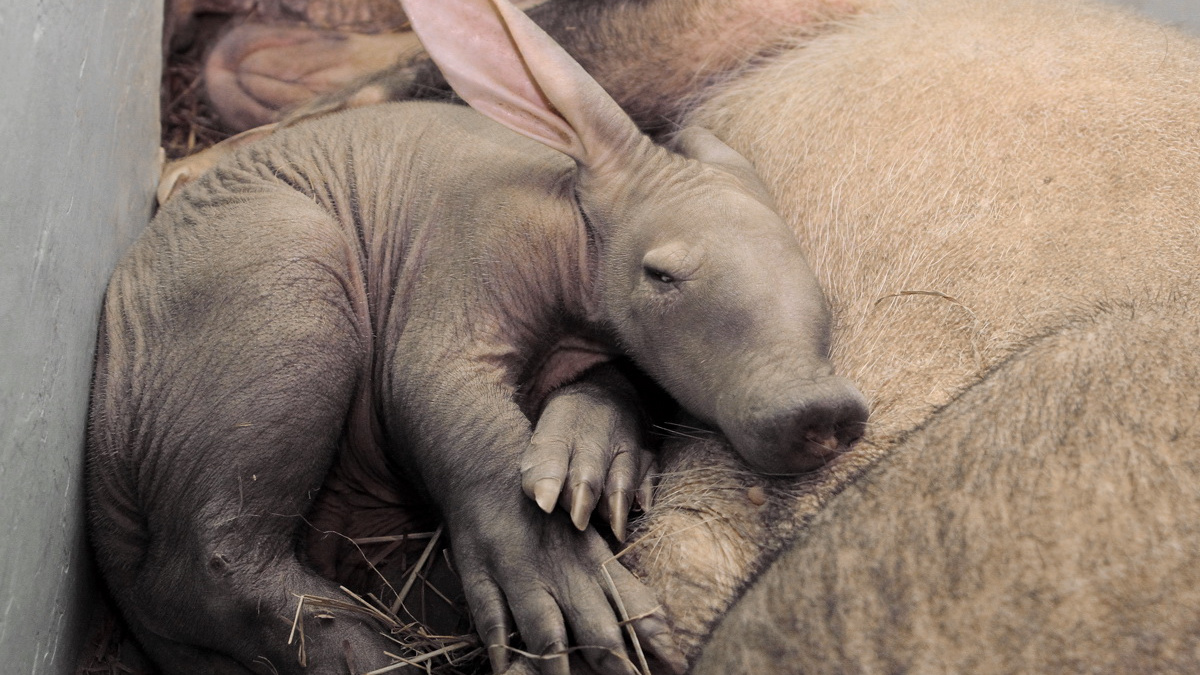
x=506, y=67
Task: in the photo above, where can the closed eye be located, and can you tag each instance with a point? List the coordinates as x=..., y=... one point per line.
x=658, y=275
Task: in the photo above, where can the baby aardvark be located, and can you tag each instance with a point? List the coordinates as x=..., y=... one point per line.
x=409, y=282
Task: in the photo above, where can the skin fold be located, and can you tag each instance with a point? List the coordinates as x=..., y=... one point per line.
x=410, y=286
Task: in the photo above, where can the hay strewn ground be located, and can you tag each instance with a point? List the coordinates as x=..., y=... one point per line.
x=189, y=123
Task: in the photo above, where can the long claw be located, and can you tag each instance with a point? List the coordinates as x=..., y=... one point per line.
x=556, y=662
x=498, y=657
x=582, y=502
x=498, y=650
x=545, y=493
x=618, y=510
x=645, y=494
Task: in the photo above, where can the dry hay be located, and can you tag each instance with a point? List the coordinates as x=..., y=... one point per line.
x=189, y=124
x=110, y=650
x=407, y=620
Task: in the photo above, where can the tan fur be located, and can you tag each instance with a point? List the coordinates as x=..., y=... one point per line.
x=1044, y=522
x=965, y=178
x=999, y=198
x=1023, y=161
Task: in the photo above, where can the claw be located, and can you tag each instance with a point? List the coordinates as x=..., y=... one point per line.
x=582, y=502
x=545, y=493
x=556, y=660
x=645, y=494
x=497, y=651
x=618, y=510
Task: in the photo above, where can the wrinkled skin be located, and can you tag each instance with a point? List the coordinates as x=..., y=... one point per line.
x=406, y=286
x=1000, y=200
x=250, y=428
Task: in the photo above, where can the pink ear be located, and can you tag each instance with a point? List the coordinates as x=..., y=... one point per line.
x=507, y=68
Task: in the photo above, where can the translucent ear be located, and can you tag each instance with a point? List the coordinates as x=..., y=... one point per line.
x=506, y=67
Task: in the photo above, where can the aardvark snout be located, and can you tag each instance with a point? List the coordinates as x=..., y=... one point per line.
x=802, y=430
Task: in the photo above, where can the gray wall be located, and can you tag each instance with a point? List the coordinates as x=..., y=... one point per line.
x=78, y=144
x=1185, y=13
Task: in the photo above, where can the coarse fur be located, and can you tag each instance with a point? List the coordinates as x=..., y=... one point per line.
x=1061, y=540
x=968, y=178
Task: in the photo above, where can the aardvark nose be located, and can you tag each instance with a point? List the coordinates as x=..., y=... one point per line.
x=805, y=430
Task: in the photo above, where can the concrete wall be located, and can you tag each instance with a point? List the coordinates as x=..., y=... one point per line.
x=78, y=144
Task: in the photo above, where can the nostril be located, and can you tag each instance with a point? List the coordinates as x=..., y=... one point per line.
x=826, y=442
x=831, y=425
x=823, y=440
x=802, y=431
